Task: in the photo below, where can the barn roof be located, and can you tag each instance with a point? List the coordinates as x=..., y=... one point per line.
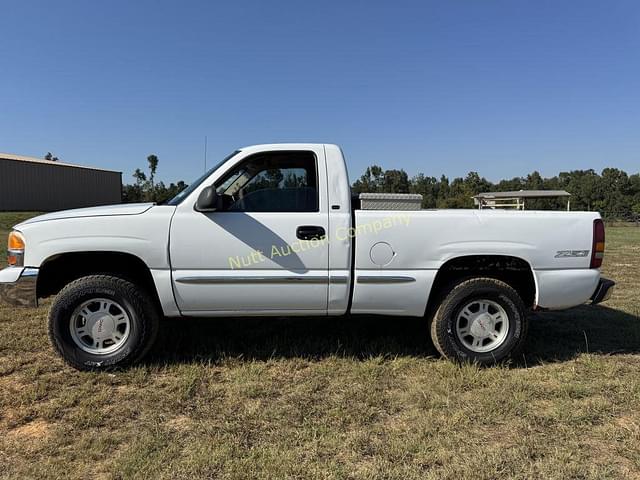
x=22, y=158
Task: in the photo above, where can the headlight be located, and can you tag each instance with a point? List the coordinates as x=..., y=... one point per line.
x=15, y=249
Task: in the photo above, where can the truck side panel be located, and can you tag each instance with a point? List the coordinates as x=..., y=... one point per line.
x=392, y=292
x=415, y=245
x=558, y=289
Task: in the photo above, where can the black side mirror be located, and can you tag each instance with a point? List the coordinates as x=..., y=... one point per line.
x=208, y=200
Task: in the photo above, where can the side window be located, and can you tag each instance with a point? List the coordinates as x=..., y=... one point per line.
x=272, y=182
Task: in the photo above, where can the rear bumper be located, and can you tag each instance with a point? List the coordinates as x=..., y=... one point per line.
x=603, y=291
x=18, y=286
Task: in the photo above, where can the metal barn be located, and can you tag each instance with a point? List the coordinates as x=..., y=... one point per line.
x=34, y=184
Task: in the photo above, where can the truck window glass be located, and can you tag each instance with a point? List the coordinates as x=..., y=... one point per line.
x=272, y=182
x=185, y=193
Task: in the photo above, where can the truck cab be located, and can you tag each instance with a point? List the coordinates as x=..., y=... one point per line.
x=263, y=235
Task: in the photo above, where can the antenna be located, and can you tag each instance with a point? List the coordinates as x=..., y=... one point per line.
x=205, y=153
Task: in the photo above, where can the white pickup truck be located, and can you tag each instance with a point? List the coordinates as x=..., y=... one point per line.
x=272, y=230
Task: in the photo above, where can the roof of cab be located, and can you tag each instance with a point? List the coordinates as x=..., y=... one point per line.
x=283, y=146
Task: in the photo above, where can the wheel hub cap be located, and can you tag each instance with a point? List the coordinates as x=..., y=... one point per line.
x=100, y=326
x=482, y=325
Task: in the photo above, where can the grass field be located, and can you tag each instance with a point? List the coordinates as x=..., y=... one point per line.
x=359, y=397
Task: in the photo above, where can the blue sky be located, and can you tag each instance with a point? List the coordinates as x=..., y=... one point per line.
x=500, y=87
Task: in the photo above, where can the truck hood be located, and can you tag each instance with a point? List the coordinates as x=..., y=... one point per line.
x=107, y=210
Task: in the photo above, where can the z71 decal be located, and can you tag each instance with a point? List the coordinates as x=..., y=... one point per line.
x=571, y=253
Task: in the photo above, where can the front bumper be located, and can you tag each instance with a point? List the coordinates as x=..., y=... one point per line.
x=603, y=291
x=18, y=286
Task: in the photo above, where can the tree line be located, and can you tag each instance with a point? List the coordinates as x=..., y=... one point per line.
x=612, y=192
x=146, y=189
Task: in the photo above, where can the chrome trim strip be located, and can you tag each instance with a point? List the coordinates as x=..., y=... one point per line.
x=30, y=272
x=248, y=280
x=383, y=279
x=342, y=279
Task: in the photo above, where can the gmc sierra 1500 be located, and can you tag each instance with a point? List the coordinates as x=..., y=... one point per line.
x=272, y=230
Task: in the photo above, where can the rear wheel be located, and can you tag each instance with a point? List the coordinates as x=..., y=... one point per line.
x=102, y=322
x=480, y=320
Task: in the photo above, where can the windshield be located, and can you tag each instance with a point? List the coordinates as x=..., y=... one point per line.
x=185, y=193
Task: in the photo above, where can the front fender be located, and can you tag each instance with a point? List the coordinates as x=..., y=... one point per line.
x=145, y=236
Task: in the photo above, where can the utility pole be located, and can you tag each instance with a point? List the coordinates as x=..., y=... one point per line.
x=205, y=153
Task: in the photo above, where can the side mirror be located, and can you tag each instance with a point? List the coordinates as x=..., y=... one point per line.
x=208, y=200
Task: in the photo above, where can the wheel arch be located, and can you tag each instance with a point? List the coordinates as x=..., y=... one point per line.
x=60, y=269
x=514, y=271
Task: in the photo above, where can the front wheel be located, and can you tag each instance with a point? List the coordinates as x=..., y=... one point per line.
x=101, y=322
x=480, y=320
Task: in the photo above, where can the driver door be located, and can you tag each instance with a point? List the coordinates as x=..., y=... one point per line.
x=262, y=251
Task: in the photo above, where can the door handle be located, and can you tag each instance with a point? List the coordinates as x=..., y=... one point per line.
x=310, y=232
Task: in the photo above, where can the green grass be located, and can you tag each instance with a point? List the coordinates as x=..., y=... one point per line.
x=359, y=397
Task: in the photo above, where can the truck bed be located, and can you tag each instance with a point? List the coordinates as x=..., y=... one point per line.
x=413, y=245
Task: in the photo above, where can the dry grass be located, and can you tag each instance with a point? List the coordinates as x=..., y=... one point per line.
x=360, y=397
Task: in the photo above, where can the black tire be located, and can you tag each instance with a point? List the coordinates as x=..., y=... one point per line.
x=138, y=305
x=443, y=323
